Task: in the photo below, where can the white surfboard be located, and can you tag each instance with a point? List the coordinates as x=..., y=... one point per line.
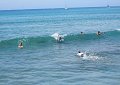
x=20, y=46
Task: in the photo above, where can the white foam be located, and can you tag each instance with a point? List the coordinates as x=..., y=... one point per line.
x=57, y=35
x=118, y=29
x=90, y=57
x=80, y=54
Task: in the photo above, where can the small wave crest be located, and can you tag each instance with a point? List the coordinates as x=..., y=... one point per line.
x=35, y=41
x=118, y=29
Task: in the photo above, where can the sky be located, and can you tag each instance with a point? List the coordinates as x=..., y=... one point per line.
x=41, y=4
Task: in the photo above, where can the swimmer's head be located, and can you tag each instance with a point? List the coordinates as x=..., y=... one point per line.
x=81, y=32
x=98, y=31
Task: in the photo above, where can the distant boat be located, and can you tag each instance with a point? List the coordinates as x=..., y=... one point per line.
x=66, y=8
x=66, y=5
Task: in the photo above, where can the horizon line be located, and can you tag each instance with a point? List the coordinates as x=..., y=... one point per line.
x=55, y=8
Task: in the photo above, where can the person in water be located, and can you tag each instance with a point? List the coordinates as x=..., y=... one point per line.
x=20, y=44
x=80, y=54
x=59, y=38
x=98, y=33
x=81, y=33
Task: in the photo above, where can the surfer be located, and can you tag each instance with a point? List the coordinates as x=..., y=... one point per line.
x=59, y=38
x=80, y=54
x=98, y=33
x=20, y=44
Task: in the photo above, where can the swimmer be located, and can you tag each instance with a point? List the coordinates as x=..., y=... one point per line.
x=80, y=54
x=20, y=44
x=81, y=33
x=98, y=33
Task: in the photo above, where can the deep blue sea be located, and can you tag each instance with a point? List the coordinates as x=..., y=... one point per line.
x=43, y=61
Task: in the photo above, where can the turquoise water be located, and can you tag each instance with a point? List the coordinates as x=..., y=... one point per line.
x=43, y=61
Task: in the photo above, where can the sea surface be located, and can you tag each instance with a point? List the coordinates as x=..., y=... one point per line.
x=44, y=61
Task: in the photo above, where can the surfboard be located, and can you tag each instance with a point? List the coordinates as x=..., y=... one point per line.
x=20, y=47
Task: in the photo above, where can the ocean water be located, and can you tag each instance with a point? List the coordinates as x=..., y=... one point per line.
x=43, y=61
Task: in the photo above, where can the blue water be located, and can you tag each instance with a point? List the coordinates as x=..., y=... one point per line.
x=43, y=61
